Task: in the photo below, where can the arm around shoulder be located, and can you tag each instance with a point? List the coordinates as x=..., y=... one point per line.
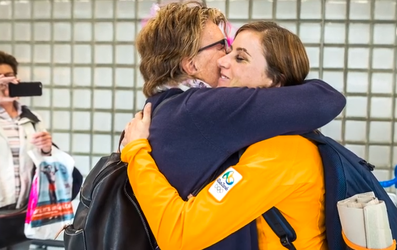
x=244, y=115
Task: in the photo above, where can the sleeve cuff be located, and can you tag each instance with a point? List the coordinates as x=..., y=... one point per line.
x=132, y=148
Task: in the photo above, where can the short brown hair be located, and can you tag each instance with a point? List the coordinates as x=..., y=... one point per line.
x=169, y=37
x=288, y=63
x=9, y=60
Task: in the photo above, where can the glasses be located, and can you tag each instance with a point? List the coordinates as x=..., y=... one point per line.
x=222, y=42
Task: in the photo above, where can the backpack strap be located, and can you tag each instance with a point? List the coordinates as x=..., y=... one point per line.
x=156, y=109
x=315, y=136
x=280, y=227
x=273, y=216
x=278, y=223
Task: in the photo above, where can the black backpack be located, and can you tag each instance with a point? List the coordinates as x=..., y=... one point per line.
x=108, y=215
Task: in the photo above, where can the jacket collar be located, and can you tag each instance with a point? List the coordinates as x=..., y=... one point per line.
x=26, y=113
x=23, y=112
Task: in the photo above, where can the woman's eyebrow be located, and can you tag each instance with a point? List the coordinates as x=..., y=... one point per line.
x=243, y=49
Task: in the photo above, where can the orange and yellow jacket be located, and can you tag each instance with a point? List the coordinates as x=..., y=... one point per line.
x=284, y=171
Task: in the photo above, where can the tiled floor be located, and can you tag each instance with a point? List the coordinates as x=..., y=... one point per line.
x=48, y=248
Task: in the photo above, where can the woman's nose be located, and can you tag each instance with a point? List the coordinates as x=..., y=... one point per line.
x=223, y=62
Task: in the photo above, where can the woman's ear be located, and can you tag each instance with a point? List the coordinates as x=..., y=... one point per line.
x=278, y=81
x=188, y=66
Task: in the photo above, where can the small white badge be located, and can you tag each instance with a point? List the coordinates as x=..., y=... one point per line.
x=224, y=183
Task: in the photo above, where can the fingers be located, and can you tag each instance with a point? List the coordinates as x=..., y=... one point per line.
x=124, y=142
x=43, y=143
x=139, y=115
x=147, y=112
x=6, y=80
x=42, y=140
x=126, y=127
x=138, y=127
x=7, y=99
x=40, y=135
x=131, y=124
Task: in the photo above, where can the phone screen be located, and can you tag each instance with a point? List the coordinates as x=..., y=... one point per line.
x=25, y=89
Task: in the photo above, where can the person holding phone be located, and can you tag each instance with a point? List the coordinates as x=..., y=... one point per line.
x=16, y=167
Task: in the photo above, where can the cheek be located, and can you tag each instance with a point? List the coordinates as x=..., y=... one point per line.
x=214, y=66
x=256, y=77
x=267, y=82
x=208, y=63
x=211, y=70
x=213, y=61
x=223, y=84
x=218, y=56
x=248, y=78
x=243, y=77
x=235, y=82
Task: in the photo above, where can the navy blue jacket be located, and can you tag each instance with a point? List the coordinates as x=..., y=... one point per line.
x=197, y=133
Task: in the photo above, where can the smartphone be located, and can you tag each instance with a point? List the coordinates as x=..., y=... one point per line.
x=25, y=89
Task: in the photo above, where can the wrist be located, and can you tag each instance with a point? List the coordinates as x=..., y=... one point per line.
x=46, y=152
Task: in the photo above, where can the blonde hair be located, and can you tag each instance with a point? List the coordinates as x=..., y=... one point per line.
x=288, y=63
x=169, y=37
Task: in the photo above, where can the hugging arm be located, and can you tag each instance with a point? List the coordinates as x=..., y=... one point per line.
x=197, y=223
x=245, y=116
x=222, y=121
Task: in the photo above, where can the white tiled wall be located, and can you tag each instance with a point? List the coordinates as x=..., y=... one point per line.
x=83, y=51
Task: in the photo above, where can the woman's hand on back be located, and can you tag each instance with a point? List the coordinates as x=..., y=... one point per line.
x=138, y=127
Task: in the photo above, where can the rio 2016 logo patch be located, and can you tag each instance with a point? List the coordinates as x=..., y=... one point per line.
x=224, y=183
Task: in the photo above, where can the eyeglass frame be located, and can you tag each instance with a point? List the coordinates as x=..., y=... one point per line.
x=223, y=42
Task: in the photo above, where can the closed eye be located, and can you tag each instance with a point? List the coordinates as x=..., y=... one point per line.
x=239, y=59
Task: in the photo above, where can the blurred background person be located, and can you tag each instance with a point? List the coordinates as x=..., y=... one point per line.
x=16, y=124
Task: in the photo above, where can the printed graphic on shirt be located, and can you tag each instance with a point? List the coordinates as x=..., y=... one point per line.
x=224, y=183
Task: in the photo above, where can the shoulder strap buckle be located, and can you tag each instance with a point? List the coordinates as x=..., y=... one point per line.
x=286, y=242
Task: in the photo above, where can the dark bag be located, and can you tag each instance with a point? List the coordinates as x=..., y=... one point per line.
x=345, y=174
x=12, y=225
x=108, y=215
